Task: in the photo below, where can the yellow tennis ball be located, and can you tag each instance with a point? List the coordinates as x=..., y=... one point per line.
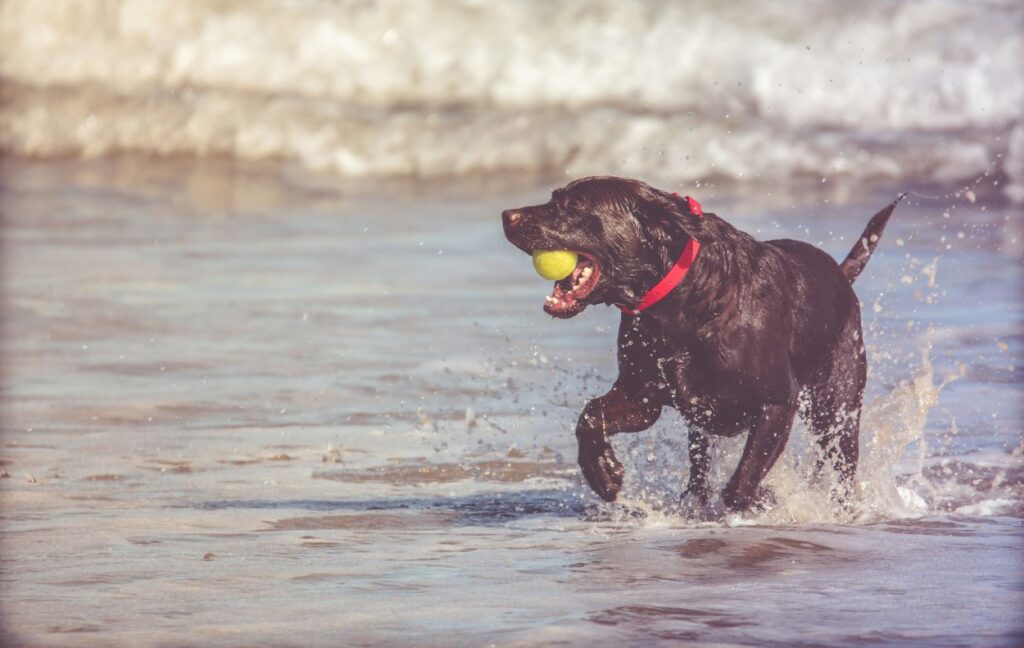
x=554, y=264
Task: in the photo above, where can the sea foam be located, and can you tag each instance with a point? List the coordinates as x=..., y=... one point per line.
x=927, y=91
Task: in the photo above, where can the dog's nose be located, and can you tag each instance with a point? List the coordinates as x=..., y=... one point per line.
x=510, y=217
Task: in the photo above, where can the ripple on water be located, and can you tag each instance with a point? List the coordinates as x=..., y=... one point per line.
x=418, y=474
x=376, y=521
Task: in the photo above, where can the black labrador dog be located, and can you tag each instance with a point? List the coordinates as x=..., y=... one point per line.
x=727, y=330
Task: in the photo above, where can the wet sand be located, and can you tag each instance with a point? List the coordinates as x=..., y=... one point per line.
x=250, y=405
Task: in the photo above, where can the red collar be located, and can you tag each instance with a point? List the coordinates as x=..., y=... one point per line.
x=676, y=274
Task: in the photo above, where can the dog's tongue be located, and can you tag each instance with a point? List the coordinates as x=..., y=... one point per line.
x=563, y=301
x=560, y=300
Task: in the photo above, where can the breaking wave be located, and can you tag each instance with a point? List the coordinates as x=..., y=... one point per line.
x=927, y=91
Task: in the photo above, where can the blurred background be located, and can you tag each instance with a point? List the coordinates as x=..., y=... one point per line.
x=926, y=91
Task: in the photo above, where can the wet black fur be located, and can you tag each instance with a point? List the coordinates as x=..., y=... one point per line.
x=753, y=325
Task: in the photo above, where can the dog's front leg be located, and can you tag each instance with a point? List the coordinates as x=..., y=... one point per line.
x=765, y=442
x=617, y=411
x=699, y=462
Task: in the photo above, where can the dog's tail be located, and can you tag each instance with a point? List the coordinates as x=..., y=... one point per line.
x=861, y=252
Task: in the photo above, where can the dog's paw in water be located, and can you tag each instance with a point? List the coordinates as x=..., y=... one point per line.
x=694, y=505
x=761, y=501
x=601, y=467
x=764, y=500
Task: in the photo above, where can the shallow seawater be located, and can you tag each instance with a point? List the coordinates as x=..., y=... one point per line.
x=247, y=405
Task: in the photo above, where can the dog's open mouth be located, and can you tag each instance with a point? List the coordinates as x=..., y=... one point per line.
x=567, y=297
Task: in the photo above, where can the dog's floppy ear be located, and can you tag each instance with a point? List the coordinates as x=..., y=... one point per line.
x=672, y=214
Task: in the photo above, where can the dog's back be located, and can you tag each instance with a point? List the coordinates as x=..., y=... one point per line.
x=821, y=303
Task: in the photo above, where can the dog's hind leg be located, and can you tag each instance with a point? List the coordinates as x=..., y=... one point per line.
x=765, y=442
x=620, y=410
x=836, y=399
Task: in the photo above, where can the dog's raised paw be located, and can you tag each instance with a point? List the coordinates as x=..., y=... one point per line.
x=601, y=468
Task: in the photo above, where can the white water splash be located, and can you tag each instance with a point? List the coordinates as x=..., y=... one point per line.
x=891, y=480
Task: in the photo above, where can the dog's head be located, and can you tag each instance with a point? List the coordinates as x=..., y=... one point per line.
x=627, y=235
